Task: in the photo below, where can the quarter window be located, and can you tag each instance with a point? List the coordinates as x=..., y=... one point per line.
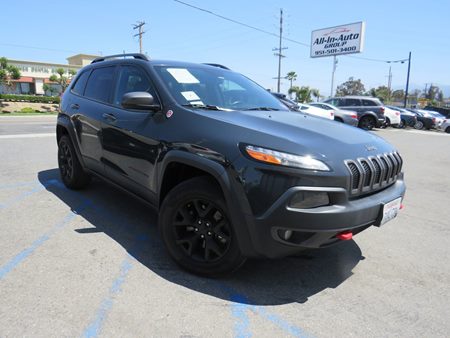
x=100, y=83
x=78, y=87
x=368, y=103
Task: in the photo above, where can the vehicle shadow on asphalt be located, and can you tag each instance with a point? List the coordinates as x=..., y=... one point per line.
x=133, y=225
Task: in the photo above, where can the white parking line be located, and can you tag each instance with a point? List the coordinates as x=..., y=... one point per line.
x=27, y=135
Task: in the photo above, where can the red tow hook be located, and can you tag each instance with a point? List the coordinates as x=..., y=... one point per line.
x=402, y=206
x=345, y=236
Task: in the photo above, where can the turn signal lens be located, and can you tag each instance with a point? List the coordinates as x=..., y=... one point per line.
x=285, y=159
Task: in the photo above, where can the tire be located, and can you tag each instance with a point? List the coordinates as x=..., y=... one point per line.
x=196, y=229
x=447, y=130
x=70, y=169
x=366, y=123
x=388, y=122
x=418, y=125
x=402, y=124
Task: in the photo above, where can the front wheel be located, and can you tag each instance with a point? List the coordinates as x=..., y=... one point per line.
x=196, y=228
x=402, y=124
x=447, y=130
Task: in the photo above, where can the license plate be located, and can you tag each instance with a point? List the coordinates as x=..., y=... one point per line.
x=390, y=210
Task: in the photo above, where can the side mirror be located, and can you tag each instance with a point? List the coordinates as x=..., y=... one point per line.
x=140, y=101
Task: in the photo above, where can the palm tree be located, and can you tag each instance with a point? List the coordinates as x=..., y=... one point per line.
x=291, y=76
x=302, y=94
x=315, y=93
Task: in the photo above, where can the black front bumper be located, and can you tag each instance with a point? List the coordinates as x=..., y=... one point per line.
x=317, y=227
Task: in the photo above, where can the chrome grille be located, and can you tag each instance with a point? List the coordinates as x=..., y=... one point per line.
x=374, y=172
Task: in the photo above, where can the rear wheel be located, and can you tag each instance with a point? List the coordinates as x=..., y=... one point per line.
x=72, y=173
x=197, y=230
x=447, y=130
x=418, y=125
x=367, y=123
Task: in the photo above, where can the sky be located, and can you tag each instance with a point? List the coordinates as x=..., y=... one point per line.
x=51, y=31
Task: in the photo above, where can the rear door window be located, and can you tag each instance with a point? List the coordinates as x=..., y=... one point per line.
x=351, y=103
x=369, y=103
x=100, y=84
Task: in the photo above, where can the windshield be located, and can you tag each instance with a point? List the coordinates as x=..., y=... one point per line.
x=216, y=88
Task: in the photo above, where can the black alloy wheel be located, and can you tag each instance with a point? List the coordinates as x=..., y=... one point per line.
x=65, y=161
x=196, y=228
x=72, y=173
x=201, y=230
x=367, y=123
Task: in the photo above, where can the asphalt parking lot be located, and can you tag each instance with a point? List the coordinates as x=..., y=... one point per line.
x=90, y=263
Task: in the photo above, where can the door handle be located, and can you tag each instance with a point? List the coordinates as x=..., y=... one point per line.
x=109, y=117
x=74, y=106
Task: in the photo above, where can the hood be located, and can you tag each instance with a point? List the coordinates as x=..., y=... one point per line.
x=302, y=134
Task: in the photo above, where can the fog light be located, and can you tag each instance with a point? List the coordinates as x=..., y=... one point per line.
x=309, y=199
x=285, y=234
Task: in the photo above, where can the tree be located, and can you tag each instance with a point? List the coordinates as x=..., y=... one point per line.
x=51, y=89
x=398, y=94
x=315, y=93
x=291, y=76
x=434, y=93
x=62, y=79
x=382, y=92
x=302, y=94
x=350, y=87
x=8, y=72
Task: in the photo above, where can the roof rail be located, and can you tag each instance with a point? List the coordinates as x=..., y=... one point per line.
x=135, y=55
x=217, y=65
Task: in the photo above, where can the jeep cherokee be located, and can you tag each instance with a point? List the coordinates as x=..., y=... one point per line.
x=232, y=172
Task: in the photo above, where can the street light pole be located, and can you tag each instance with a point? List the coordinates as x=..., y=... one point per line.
x=407, y=81
x=332, y=74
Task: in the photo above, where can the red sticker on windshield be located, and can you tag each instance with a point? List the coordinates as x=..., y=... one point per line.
x=169, y=114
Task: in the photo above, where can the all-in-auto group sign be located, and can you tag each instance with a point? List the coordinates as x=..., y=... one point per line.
x=345, y=39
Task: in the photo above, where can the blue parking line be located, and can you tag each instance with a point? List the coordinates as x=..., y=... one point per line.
x=241, y=308
x=22, y=196
x=94, y=328
x=19, y=258
x=17, y=185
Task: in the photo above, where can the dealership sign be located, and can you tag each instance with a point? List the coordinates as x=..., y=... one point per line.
x=346, y=39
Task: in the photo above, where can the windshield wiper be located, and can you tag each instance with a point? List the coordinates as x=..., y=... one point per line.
x=204, y=106
x=262, y=108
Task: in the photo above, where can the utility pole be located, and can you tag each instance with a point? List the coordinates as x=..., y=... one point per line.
x=407, y=80
x=139, y=26
x=389, y=83
x=335, y=62
x=279, y=49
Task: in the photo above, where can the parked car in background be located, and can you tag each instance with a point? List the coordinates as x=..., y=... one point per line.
x=445, y=126
x=306, y=108
x=292, y=105
x=392, y=117
x=439, y=117
x=370, y=110
x=340, y=115
x=407, y=118
x=423, y=121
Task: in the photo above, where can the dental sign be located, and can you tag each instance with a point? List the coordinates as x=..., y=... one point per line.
x=346, y=39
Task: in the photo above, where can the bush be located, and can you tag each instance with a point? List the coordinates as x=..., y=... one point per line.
x=30, y=98
x=28, y=110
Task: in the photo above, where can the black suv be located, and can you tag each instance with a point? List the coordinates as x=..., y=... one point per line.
x=232, y=172
x=370, y=110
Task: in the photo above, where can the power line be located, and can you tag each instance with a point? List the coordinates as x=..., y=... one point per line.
x=275, y=34
x=38, y=48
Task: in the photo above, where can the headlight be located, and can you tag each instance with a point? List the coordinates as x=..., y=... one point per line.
x=285, y=159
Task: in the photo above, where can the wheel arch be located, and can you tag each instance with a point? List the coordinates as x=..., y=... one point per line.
x=191, y=165
x=64, y=126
